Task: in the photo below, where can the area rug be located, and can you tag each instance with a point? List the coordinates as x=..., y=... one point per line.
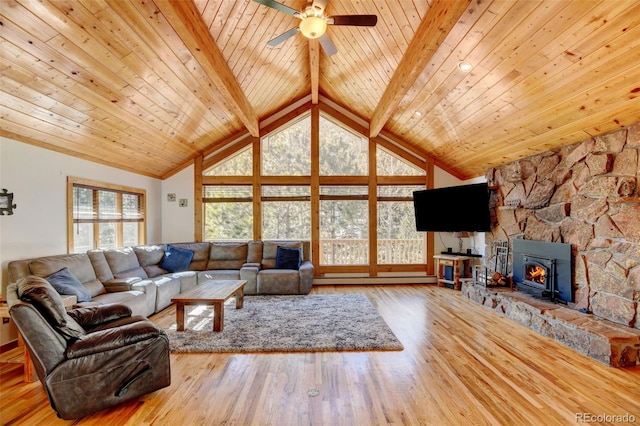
x=287, y=324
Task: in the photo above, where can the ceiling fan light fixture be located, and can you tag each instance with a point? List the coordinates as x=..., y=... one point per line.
x=313, y=26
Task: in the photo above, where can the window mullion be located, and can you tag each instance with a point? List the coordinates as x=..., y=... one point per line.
x=96, y=213
x=119, y=220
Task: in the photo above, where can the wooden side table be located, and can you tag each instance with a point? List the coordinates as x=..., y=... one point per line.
x=18, y=355
x=21, y=353
x=460, y=266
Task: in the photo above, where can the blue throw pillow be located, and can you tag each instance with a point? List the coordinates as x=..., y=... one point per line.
x=176, y=259
x=65, y=283
x=288, y=258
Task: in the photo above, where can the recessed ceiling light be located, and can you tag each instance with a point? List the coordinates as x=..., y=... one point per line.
x=418, y=114
x=465, y=66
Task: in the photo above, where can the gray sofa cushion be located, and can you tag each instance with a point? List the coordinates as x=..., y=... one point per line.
x=124, y=263
x=278, y=281
x=254, y=252
x=121, y=259
x=95, y=287
x=149, y=257
x=227, y=255
x=218, y=274
x=188, y=280
x=166, y=288
x=138, y=272
x=136, y=300
x=100, y=265
x=79, y=265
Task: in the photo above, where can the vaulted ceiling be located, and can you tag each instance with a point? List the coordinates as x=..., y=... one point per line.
x=146, y=86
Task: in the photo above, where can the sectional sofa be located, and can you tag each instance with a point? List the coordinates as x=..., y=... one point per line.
x=137, y=276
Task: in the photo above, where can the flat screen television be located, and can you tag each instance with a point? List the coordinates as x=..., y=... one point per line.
x=453, y=209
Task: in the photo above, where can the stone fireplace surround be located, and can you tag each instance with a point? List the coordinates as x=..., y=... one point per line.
x=585, y=194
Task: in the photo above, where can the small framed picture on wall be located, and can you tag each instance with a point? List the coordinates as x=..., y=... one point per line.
x=6, y=202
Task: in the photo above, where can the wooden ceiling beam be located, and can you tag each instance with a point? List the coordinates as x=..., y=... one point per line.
x=187, y=21
x=440, y=18
x=314, y=63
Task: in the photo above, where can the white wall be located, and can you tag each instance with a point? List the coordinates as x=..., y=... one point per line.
x=8, y=332
x=443, y=240
x=177, y=222
x=37, y=178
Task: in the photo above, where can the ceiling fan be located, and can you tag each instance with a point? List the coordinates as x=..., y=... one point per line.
x=313, y=23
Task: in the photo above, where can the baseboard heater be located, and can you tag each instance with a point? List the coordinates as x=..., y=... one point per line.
x=345, y=280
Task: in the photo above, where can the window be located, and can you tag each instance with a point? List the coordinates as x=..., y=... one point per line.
x=102, y=215
x=390, y=165
x=228, y=212
x=342, y=152
x=398, y=240
x=239, y=164
x=286, y=212
x=320, y=193
x=288, y=151
x=344, y=225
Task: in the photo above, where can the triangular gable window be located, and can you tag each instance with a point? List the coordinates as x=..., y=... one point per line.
x=287, y=152
x=390, y=165
x=239, y=164
x=342, y=151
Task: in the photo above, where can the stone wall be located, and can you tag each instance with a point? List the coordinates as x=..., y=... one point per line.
x=587, y=195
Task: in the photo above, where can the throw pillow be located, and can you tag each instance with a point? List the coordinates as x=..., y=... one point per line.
x=288, y=258
x=176, y=259
x=65, y=283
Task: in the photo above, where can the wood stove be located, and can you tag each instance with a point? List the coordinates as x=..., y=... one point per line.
x=543, y=269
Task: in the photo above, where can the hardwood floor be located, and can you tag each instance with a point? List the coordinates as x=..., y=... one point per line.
x=462, y=364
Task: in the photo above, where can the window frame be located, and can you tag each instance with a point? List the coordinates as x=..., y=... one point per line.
x=119, y=190
x=316, y=181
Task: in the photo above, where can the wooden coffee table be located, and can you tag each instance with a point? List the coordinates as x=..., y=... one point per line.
x=213, y=293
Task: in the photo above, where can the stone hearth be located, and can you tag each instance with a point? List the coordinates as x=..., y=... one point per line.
x=585, y=195
x=602, y=340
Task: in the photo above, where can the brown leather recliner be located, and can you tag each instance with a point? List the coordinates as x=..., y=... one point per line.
x=87, y=359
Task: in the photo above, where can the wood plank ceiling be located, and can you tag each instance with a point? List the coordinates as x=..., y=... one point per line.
x=148, y=85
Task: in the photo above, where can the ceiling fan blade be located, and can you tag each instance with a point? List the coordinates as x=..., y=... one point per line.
x=319, y=5
x=327, y=45
x=354, y=20
x=279, y=6
x=282, y=37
